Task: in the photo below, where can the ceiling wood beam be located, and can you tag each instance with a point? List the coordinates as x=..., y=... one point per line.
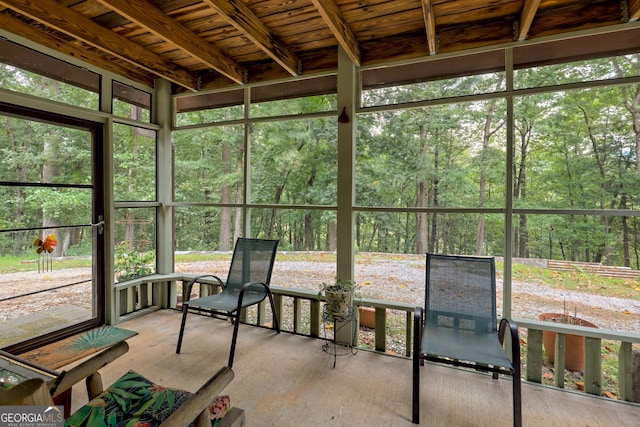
x=244, y=20
x=526, y=17
x=339, y=27
x=65, y=20
x=634, y=10
x=153, y=19
x=430, y=25
x=54, y=42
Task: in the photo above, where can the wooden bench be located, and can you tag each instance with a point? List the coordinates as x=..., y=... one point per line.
x=195, y=406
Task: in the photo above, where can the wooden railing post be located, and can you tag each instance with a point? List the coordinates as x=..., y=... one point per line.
x=261, y=313
x=381, y=329
x=297, y=315
x=592, y=366
x=315, y=318
x=625, y=371
x=559, y=360
x=534, y=355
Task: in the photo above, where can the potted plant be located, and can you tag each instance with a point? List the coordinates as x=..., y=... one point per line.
x=339, y=297
x=573, y=344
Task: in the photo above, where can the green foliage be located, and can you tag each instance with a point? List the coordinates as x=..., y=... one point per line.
x=573, y=149
x=339, y=285
x=130, y=263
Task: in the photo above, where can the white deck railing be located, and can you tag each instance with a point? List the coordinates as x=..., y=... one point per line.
x=301, y=310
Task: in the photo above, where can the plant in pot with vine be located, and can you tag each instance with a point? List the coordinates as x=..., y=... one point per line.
x=130, y=263
x=339, y=297
x=574, y=344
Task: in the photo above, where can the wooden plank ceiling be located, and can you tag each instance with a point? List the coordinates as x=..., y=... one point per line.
x=198, y=44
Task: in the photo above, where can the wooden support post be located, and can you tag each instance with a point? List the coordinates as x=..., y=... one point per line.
x=94, y=385
x=381, y=329
x=315, y=318
x=592, y=366
x=297, y=315
x=625, y=371
x=145, y=295
x=278, y=302
x=261, y=316
x=635, y=387
x=559, y=360
x=534, y=356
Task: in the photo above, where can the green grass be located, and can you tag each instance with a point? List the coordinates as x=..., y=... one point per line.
x=10, y=264
x=609, y=353
x=577, y=281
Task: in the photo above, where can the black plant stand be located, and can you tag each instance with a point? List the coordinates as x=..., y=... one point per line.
x=339, y=322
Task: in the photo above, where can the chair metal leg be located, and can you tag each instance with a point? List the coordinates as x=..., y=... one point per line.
x=417, y=362
x=185, y=310
x=517, y=398
x=236, y=324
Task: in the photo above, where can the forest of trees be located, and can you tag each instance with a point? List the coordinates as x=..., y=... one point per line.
x=575, y=150
x=574, y=187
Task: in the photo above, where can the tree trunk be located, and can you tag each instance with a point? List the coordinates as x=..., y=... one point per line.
x=433, y=240
x=332, y=235
x=49, y=173
x=421, y=201
x=521, y=235
x=224, y=240
x=20, y=172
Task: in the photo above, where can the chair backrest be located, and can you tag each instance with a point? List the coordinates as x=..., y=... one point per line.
x=252, y=262
x=461, y=292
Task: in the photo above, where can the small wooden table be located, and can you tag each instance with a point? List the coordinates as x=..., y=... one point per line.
x=14, y=370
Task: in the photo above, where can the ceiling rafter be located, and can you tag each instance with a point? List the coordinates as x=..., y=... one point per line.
x=65, y=20
x=339, y=27
x=245, y=21
x=526, y=17
x=430, y=25
x=55, y=42
x=634, y=10
x=153, y=19
x=215, y=44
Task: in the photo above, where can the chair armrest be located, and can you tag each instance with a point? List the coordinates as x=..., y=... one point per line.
x=418, y=327
x=193, y=281
x=196, y=406
x=246, y=287
x=89, y=370
x=515, y=339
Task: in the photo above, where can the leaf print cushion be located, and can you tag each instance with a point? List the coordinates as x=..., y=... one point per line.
x=134, y=401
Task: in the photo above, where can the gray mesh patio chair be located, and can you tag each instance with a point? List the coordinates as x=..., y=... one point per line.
x=247, y=284
x=458, y=325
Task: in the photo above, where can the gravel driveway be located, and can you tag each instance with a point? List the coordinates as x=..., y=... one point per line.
x=399, y=279
x=403, y=280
